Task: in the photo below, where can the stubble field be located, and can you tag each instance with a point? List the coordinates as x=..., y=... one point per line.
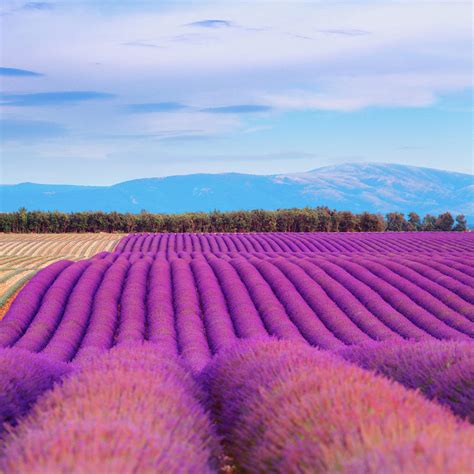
x=22, y=255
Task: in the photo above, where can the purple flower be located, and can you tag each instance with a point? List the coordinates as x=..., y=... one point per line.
x=285, y=407
x=132, y=409
x=442, y=370
x=24, y=376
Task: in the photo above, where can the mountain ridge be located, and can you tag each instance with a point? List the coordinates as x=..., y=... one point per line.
x=375, y=187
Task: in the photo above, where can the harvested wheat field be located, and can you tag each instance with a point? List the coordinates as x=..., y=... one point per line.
x=22, y=255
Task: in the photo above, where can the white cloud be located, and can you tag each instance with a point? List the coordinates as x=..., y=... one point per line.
x=382, y=90
x=275, y=49
x=316, y=55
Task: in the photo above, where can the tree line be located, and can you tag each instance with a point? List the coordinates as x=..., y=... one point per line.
x=318, y=219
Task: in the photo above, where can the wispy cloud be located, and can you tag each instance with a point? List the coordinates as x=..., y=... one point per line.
x=193, y=39
x=164, y=107
x=298, y=36
x=256, y=129
x=284, y=156
x=345, y=32
x=38, y=6
x=193, y=137
x=141, y=44
x=153, y=135
x=211, y=24
x=410, y=148
x=11, y=71
x=355, y=92
x=151, y=107
x=238, y=109
x=28, y=130
x=51, y=98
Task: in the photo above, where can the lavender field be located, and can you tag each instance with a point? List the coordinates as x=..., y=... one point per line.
x=277, y=352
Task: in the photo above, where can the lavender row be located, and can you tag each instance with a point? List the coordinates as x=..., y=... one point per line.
x=104, y=319
x=439, y=268
x=220, y=329
x=197, y=305
x=132, y=325
x=319, y=242
x=51, y=311
x=130, y=410
x=399, y=301
x=422, y=298
x=279, y=406
x=270, y=309
x=24, y=376
x=160, y=308
x=74, y=322
x=26, y=304
x=285, y=407
x=442, y=370
x=310, y=326
x=191, y=334
x=445, y=297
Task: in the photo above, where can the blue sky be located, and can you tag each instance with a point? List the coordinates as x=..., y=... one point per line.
x=102, y=92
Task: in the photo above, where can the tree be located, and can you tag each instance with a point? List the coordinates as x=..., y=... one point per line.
x=22, y=220
x=444, y=222
x=461, y=223
x=414, y=221
x=371, y=222
x=396, y=222
x=429, y=223
x=317, y=219
x=335, y=219
x=322, y=216
x=347, y=222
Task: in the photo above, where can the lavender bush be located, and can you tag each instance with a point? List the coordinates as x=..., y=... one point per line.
x=130, y=410
x=285, y=407
x=442, y=370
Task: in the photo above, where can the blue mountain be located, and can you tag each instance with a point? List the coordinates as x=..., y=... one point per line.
x=374, y=187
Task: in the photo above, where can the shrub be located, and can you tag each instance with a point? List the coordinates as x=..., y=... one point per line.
x=286, y=407
x=442, y=370
x=24, y=376
x=130, y=410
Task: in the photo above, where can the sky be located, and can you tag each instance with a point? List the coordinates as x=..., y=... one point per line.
x=99, y=92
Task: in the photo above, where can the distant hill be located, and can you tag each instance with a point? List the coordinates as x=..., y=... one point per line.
x=374, y=187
